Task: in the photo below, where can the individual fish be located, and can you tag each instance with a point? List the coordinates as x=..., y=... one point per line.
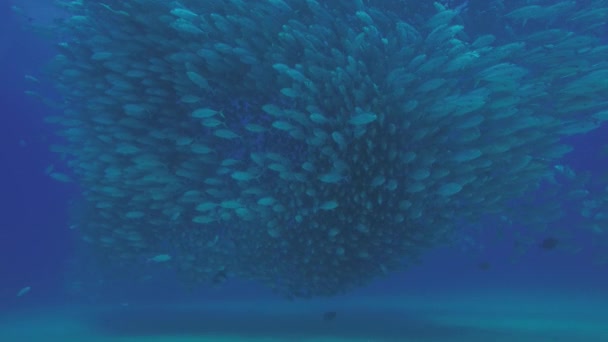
x=549, y=243
x=204, y=113
x=160, y=258
x=363, y=119
x=22, y=292
x=329, y=316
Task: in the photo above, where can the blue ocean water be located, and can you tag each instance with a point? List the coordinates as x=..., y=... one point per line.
x=488, y=291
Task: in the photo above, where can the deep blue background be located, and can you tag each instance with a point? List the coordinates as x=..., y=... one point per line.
x=36, y=244
x=34, y=240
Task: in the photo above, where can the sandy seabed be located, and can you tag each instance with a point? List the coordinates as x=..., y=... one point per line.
x=473, y=317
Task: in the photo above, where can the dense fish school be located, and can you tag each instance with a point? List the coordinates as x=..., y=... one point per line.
x=314, y=145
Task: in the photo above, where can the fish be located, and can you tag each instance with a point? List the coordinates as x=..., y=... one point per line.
x=322, y=150
x=329, y=316
x=23, y=291
x=363, y=119
x=549, y=243
x=484, y=265
x=219, y=277
x=160, y=258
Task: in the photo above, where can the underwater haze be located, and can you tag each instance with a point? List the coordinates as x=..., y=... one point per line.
x=303, y=170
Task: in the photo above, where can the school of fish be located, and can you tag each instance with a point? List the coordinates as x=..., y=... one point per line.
x=313, y=145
